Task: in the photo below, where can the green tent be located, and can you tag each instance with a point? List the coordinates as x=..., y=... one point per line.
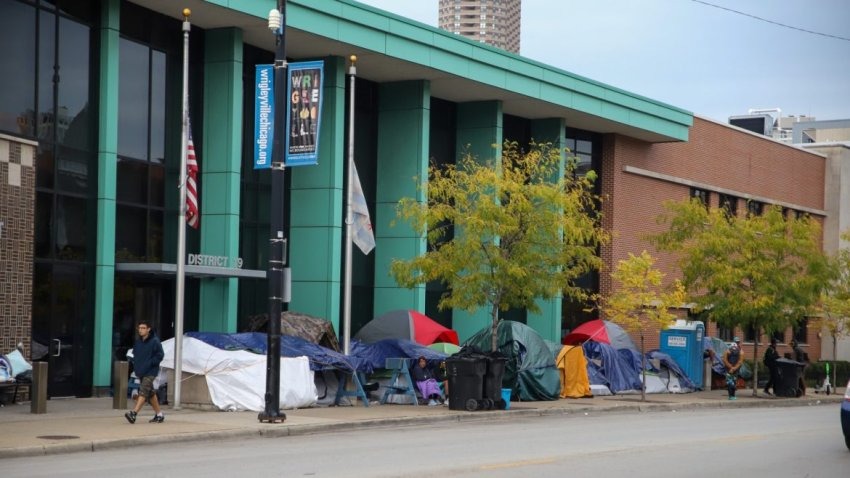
x=530, y=370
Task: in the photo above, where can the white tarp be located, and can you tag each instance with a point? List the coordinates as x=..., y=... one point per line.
x=237, y=378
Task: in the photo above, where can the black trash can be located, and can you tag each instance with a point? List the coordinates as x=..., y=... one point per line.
x=788, y=376
x=493, y=382
x=466, y=382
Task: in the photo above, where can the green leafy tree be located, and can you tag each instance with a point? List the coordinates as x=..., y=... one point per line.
x=763, y=272
x=640, y=304
x=835, y=301
x=502, y=236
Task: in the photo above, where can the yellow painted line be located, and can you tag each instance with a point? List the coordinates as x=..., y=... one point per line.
x=517, y=464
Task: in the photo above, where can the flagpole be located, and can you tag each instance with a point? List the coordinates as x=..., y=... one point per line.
x=181, y=220
x=349, y=219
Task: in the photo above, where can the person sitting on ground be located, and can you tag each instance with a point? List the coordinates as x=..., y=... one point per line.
x=732, y=361
x=426, y=383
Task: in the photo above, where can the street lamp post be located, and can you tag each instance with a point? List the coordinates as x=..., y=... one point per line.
x=277, y=240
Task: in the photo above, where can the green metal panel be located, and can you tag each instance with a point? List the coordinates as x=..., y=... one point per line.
x=403, y=134
x=547, y=322
x=479, y=132
x=107, y=164
x=362, y=26
x=316, y=209
x=220, y=169
x=314, y=256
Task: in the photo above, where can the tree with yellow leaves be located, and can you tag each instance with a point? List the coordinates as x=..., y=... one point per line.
x=640, y=302
x=501, y=235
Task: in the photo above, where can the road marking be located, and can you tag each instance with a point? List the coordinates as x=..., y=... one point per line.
x=517, y=464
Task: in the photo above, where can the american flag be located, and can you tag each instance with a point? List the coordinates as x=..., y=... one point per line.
x=192, y=212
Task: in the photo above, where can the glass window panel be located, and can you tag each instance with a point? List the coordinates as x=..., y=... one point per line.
x=133, y=76
x=155, y=235
x=44, y=167
x=157, y=186
x=72, y=170
x=17, y=53
x=248, y=203
x=74, y=121
x=42, y=285
x=43, y=220
x=83, y=10
x=571, y=144
x=583, y=146
x=70, y=223
x=130, y=226
x=132, y=181
x=46, y=75
x=157, y=125
x=248, y=247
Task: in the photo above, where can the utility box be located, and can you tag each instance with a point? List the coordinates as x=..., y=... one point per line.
x=683, y=343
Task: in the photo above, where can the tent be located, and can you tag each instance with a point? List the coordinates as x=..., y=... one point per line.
x=572, y=367
x=530, y=369
x=406, y=324
x=312, y=329
x=602, y=331
x=236, y=379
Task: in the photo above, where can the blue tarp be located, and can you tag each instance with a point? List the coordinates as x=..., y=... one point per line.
x=667, y=361
x=321, y=358
x=375, y=354
x=608, y=366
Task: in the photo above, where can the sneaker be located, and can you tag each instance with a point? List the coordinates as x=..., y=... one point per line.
x=432, y=403
x=130, y=416
x=733, y=398
x=157, y=419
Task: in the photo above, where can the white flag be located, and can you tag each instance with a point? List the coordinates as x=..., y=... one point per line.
x=362, y=233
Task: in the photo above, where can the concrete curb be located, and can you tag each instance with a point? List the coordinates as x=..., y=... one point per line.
x=283, y=430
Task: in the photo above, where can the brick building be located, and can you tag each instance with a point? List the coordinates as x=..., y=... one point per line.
x=718, y=161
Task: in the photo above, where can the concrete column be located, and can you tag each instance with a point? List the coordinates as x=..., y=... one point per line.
x=107, y=171
x=479, y=128
x=220, y=168
x=404, y=117
x=547, y=322
x=316, y=207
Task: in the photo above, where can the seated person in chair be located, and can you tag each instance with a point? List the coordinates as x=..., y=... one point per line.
x=426, y=383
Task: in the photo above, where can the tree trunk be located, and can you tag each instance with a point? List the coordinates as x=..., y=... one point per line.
x=756, y=362
x=494, y=328
x=642, y=370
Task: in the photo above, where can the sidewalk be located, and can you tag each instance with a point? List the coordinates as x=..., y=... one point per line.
x=90, y=424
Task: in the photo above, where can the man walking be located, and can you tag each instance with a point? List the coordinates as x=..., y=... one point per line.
x=770, y=358
x=147, y=355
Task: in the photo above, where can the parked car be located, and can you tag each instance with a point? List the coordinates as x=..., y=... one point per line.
x=845, y=415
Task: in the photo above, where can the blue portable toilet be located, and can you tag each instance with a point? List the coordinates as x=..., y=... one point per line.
x=683, y=343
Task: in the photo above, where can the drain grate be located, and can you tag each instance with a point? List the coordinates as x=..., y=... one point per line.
x=58, y=437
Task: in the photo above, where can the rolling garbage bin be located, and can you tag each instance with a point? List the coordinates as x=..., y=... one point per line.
x=788, y=375
x=493, y=382
x=466, y=382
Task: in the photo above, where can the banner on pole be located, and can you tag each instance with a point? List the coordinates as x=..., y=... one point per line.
x=303, y=117
x=263, y=116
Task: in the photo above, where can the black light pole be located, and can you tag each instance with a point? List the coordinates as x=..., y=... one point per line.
x=277, y=241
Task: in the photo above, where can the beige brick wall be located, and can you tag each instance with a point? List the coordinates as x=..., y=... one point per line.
x=17, y=213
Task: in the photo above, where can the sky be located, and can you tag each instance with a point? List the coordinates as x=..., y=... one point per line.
x=710, y=61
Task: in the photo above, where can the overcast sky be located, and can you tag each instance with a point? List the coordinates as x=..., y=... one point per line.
x=710, y=61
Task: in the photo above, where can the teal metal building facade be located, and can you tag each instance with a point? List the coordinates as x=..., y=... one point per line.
x=98, y=91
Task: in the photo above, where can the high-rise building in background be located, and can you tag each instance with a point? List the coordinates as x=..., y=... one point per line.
x=495, y=22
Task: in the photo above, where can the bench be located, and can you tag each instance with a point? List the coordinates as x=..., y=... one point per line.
x=15, y=385
x=401, y=382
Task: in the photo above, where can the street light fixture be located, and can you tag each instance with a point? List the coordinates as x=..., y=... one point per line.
x=277, y=240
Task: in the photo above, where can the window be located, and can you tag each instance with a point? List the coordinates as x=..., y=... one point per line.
x=729, y=204
x=750, y=334
x=141, y=153
x=725, y=334
x=701, y=194
x=754, y=208
x=801, y=332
